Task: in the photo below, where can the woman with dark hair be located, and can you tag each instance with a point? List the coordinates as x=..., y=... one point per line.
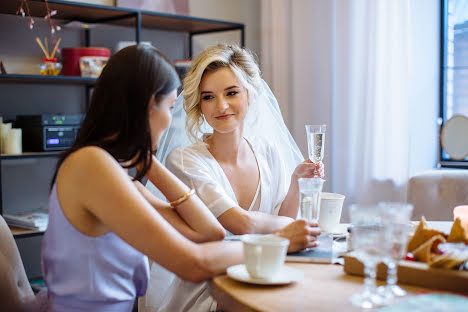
x=102, y=222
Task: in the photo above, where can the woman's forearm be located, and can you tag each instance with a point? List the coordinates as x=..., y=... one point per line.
x=290, y=204
x=238, y=221
x=266, y=223
x=193, y=211
x=207, y=260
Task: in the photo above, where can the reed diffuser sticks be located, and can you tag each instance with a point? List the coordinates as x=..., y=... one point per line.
x=45, y=49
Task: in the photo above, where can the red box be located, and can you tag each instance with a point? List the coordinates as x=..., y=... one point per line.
x=71, y=58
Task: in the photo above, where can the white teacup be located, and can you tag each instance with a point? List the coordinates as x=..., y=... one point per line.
x=264, y=255
x=331, y=206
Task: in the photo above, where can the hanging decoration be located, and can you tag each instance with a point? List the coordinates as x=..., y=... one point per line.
x=24, y=11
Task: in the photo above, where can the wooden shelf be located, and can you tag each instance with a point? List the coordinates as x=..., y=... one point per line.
x=21, y=233
x=19, y=78
x=91, y=13
x=31, y=155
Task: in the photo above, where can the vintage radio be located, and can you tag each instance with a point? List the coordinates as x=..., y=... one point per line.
x=48, y=132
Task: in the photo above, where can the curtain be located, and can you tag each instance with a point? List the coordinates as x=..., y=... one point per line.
x=348, y=66
x=371, y=107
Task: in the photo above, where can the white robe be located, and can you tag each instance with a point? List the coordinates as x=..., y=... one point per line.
x=197, y=168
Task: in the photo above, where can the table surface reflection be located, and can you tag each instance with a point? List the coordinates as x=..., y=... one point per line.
x=325, y=287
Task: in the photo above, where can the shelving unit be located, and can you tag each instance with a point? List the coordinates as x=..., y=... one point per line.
x=98, y=14
x=23, y=233
x=18, y=78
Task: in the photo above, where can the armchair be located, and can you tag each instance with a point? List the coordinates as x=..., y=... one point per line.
x=435, y=193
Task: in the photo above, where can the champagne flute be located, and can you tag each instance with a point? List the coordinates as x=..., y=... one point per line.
x=367, y=242
x=316, y=142
x=396, y=216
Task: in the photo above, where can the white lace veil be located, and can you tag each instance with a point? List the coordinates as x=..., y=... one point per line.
x=263, y=120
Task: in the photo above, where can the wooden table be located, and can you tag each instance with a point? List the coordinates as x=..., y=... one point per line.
x=325, y=287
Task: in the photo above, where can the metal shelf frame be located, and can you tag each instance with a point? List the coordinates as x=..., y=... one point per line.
x=92, y=13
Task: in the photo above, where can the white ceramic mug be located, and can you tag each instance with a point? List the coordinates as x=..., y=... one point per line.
x=331, y=206
x=264, y=255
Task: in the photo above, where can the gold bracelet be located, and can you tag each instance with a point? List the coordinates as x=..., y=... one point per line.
x=182, y=199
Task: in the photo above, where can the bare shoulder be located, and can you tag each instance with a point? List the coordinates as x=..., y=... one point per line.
x=87, y=162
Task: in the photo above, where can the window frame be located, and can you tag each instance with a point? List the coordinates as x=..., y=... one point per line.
x=444, y=161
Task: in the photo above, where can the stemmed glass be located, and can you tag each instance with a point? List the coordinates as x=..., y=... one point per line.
x=316, y=142
x=367, y=242
x=396, y=217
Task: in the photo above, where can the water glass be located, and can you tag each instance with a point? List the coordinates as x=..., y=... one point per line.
x=367, y=238
x=309, y=197
x=396, y=217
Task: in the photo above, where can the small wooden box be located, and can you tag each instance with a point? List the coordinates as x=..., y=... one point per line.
x=415, y=273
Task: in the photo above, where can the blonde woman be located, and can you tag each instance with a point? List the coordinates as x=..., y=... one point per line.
x=243, y=163
x=103, y=224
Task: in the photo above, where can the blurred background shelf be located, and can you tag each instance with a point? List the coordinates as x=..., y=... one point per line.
x=19, y=78
x=92, y=13
x=23, y=233
x=31, y=155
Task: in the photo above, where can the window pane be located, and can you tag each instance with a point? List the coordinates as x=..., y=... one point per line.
x=455, y=64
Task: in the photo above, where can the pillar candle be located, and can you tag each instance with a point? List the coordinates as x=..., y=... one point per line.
x=461, y=212
x=4, y=128
x=13, y=142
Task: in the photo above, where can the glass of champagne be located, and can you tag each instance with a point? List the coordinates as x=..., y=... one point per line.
x=316, y=142
x=396, y=216
x=367, y=242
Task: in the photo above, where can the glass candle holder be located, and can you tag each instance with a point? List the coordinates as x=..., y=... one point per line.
x=50, y=67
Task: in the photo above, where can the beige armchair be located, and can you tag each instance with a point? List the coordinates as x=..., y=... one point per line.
x=15, y=291
x=435, y=193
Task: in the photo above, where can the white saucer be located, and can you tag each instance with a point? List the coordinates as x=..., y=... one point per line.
x=285, y=276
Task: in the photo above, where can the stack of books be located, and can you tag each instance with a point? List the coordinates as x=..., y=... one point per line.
x=33, y=220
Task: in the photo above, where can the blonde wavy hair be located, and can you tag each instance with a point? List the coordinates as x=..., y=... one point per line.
x=239, y=60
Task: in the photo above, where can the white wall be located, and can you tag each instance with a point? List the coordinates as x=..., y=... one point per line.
x=313, y=54
x=240, y=11
x=425, y=80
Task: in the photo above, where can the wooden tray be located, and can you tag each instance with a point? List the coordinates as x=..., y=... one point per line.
x=415, y=273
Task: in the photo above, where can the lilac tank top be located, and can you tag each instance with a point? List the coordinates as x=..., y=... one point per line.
x=85, y=273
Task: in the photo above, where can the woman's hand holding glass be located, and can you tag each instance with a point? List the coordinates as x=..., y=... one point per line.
x=301, y=234
x=309, y=169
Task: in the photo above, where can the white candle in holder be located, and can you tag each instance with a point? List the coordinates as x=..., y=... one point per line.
x=13, y=142
x=4, y=128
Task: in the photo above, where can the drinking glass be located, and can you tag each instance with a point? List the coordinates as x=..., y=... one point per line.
x=396, y=216
x=309, y=197
x=316, y=141
x=367, y=238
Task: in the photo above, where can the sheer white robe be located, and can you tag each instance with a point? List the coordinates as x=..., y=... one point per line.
x=197, y=168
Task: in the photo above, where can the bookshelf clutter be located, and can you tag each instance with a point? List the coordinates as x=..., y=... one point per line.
x=36, y=219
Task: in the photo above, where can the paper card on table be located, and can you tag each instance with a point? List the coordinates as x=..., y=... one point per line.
x=430, y=303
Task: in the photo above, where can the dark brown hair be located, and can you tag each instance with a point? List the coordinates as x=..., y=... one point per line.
x=117, y=119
